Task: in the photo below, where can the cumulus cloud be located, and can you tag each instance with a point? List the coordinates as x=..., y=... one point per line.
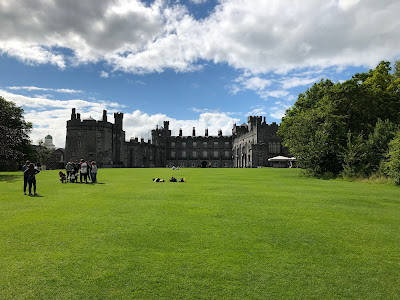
x=259, y=36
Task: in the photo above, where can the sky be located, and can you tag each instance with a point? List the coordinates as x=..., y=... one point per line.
x=195, y=63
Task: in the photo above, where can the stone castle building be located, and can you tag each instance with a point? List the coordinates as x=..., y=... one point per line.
x=250, y=145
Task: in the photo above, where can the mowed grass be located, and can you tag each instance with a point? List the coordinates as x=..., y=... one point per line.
x=225, y=234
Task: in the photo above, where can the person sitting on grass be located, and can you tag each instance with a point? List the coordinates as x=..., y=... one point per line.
x=158, y=180
x=173, y=179
x=31, y=174
x=63, y=177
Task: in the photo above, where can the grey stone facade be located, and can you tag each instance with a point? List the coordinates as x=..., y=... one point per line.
x=255, y=142
x=250, y=145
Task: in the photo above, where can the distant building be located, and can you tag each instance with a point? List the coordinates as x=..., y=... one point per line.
x=48, y=142
x=250, y=145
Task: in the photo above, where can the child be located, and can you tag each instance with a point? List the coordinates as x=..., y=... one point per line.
x=72, y=177
x=63, y=177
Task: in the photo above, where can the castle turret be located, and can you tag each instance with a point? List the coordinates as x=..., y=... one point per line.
x=104, y=116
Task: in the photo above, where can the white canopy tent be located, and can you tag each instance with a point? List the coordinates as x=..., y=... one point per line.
x=282, y=161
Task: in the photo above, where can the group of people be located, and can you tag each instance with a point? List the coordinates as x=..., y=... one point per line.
x=84, y=170
x=30, y=177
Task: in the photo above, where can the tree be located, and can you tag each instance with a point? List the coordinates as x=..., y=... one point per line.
x=43, y=154
x=334, y=128
x=14, y=134
x=392, y=165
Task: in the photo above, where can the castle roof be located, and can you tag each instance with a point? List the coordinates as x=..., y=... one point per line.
x=48, y=137
x=89, y=119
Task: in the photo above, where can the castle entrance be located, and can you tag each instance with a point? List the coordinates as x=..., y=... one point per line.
x=204, y=164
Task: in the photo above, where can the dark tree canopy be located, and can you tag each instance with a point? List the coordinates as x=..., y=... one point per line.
x=14, y=134
x=344, y=127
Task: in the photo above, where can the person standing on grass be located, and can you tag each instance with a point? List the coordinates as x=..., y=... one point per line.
x=31, y=177
x=84, y=171
x=24, y=168
x=93, y=172
x=69, y=168
x=76, y=169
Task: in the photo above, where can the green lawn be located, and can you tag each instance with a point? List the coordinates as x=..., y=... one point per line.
x=225, y=234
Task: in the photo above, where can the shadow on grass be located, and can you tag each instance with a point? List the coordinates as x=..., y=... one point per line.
x=10, y=178
x=35, y=196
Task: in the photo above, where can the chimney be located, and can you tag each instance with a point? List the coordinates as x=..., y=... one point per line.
x=142, y=140
x=194, y=131
x=78, y=116
x=180, y=131
x=220, y=132
x=206, y=131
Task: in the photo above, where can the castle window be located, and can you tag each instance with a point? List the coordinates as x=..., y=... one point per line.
x=73, y=153
x=194, y=144
x=183, y=153
x=79, y=144
x=226, y=144
x=172, y=144
x=79, y=133
x=194, y=153
x=99, y=134
x=215, y=154
x=183, y=144
x=226, y=153
x=173, y=154
x=204, y=153
x=98, y=145
x=215, y=144
x=204, y=144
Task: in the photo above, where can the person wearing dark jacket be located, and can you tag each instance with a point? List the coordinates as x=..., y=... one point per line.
x=31, y=178
x=24, y=168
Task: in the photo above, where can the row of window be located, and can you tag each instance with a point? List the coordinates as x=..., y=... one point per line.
x=216, y=154
x=194, y=144
x=98, y=145
x=194, y=164
x=98, y=134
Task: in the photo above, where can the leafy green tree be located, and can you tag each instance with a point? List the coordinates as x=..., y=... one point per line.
x=43, y=154
x=14, y=135
x=336, y=127
x=392, y=165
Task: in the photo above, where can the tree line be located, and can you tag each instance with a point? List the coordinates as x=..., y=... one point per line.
x=349, y=129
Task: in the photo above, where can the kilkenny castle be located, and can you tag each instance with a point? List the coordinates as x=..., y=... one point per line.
x=250, y=145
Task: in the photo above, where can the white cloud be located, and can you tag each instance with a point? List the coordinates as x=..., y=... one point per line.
x=291, y=82
x=104, y=74
x=257, y=111
x=259, y=36
x=34, y=88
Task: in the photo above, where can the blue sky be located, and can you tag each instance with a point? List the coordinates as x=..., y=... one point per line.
x=196, y=63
